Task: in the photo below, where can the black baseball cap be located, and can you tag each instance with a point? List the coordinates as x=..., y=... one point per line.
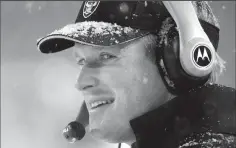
x=107, y=23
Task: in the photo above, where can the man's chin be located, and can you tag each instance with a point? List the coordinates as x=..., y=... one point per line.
x=103, y=135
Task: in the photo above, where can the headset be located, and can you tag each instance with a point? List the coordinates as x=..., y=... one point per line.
x=186, y=60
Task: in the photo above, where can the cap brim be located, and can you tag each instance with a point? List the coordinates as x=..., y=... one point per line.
x=89, y=33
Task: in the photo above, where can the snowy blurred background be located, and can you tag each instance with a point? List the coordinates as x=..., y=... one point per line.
x=38, y=97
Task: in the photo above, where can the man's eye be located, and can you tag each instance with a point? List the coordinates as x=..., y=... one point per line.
x=106, y=56
x=81, y=62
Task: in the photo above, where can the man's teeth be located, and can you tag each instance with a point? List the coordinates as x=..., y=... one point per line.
x=98, y=103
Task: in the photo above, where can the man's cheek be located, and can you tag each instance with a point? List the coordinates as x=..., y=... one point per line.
x=117, y=78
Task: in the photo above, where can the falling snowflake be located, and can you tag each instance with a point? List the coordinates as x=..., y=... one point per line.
x=145, y=80
x=223, y=7
x=29, y=6
x=145, y=3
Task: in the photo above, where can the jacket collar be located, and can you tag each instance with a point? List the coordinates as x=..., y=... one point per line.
x=155, y=126
x=192, y=112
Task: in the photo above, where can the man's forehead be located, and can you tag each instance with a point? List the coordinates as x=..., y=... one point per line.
x=79, y=48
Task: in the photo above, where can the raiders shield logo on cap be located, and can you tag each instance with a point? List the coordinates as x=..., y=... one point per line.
x=89, y=8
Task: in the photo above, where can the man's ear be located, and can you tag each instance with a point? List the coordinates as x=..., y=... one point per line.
x=83, y=115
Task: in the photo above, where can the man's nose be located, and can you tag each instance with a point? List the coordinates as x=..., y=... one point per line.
x=87, y=79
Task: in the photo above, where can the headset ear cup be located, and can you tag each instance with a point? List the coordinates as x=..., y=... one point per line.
x=171, y=58
x=171, y=54
x=83, y=115
x=181, y=80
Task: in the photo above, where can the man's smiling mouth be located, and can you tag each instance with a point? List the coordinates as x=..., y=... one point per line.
x=97, y=104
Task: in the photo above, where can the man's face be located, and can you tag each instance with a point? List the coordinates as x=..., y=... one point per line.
x=119, y=83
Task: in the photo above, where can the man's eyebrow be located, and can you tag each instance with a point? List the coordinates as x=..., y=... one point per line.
x=89, y=46
x=119, y=47
x=75, y=54
x=115, y=48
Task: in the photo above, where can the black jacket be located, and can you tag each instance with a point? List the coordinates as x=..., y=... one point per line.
x=202, y=118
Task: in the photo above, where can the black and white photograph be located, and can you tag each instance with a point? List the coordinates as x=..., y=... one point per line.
x=118, y=74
